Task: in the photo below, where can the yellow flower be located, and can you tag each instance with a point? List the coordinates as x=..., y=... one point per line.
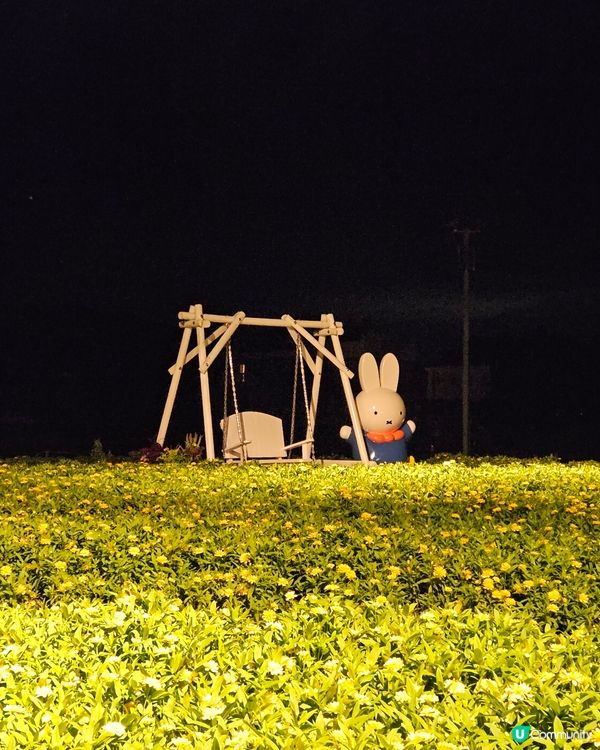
x=505, y=567
x=487, y=573
x=134, y=551
x=274, y=667
x=248, y=575
x=245, y=557
x=439, y=571
x=347, y=571
x=5, y=570
x=162, y=559
x=554, y=595
x=552, y=608
x=488, y=584
x=583, y=598
x=269, y=615
x=394, y=572
x=423, y=548
x=467, y=574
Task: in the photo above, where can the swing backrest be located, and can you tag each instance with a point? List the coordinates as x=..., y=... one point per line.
x=262, y=432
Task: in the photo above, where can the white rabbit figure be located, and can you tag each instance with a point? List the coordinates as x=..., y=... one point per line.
x=381, y=411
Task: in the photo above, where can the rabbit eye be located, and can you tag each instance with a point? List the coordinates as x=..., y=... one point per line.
x=374, y=411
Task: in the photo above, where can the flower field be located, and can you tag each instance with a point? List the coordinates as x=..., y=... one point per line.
x=215, y=606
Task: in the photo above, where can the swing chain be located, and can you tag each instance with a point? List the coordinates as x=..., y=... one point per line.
x=225, y=394
x=294, y=392
x=306, y=406
x=240, y=428
x=299, y=365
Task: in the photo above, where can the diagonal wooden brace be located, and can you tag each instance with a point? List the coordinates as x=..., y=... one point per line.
x=319, y=347
x=214, y=352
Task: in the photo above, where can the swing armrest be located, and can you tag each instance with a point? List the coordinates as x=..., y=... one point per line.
x=298, y=444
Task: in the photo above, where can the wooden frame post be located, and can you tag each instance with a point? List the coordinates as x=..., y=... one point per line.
x=316, y=386
x=175, y=378
x=209, y=440
x=355, y=419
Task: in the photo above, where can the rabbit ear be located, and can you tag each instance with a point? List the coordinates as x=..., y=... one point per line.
x=389, y=370
x=368, y=374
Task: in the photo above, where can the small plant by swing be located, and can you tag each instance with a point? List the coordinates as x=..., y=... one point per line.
x=191, y=451
x=97, y=453
x=193, y=445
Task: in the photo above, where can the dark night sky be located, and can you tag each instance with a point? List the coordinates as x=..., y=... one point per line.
x=301, y=157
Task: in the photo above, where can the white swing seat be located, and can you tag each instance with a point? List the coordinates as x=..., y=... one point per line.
x=262, y=437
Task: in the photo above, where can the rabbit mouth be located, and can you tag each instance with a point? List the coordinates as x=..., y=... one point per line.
x=389, y=421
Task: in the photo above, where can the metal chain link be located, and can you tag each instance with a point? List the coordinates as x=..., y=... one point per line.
x=225, y=393
x=294, y=396
x=306, y=406
x=238, y=421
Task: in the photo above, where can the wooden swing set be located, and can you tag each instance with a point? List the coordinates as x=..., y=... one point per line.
x=251, y=435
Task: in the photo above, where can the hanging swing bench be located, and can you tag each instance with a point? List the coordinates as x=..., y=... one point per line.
x=253, y=435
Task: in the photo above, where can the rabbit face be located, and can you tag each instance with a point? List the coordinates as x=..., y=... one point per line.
x=380, y=410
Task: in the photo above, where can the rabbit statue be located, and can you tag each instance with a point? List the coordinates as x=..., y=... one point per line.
x=381, y=411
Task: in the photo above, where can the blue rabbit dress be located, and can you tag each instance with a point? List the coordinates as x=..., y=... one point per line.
x=384, y=453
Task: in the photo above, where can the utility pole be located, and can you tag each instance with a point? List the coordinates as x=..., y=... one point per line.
x=467, y=262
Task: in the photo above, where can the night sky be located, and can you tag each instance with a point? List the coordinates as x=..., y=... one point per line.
x=300, y=157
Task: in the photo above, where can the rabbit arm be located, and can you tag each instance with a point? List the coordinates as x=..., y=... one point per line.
x=345, y=432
